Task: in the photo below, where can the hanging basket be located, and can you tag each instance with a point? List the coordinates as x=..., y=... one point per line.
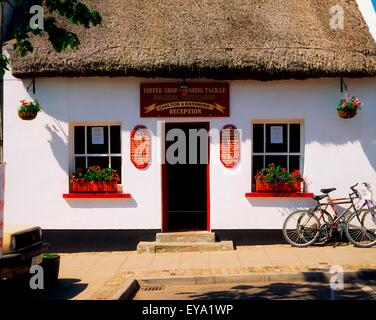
x=346, y=114
x=26, y=115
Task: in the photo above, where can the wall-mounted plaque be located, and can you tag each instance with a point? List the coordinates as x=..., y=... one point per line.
x=230, y=146
x=191, y=100
x=140, y=147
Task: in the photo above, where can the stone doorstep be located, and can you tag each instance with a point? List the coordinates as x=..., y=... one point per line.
x=155, y=247
x=192, y=236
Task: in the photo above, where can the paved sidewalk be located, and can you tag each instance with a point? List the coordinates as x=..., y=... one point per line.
x=99, y=275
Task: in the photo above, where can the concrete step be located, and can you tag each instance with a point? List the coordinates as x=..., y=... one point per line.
x=155, y=247
x=183, y=237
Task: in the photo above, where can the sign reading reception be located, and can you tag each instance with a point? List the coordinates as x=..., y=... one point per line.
x=185, y=100
x=2, y=188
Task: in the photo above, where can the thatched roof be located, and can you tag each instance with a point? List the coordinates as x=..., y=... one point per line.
x=221, y=39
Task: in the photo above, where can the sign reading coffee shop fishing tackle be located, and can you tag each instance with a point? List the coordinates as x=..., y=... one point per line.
x=191, y=100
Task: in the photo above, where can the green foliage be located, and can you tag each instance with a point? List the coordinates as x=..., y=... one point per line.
x=60, y=38
x=29, y=106
x=94, y=173
x=74, y=11
x=278, y=174
x=350, y=103
x=3, y=64
x=49, y=255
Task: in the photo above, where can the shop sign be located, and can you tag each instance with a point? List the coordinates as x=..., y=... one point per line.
x=230, y=146
x=140, y=147
x=190, y=100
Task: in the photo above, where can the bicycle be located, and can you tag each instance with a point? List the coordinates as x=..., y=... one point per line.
x=306, y=229
x=327, y=219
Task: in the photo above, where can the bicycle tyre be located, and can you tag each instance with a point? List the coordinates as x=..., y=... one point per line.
x=298, y=237
x=356, y=234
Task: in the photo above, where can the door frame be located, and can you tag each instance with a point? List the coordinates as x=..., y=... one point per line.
x=164, y=172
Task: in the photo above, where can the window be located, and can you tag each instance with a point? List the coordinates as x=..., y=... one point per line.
x=278, y=143
x=97, y=145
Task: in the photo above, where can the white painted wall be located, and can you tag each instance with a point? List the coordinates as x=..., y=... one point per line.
x=337, y=152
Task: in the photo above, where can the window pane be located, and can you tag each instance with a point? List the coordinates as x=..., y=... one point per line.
x=257, y=165
x=294, y=163
x=258, y=138
x=115, y=139
x=277, y=160
x=276, y=138
x=79, y=163
x=79, y=140
x=99, y=142
x=294, y=137
x=116, y=164
x=103, y=162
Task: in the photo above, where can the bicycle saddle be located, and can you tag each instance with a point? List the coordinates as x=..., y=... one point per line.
x=326, y=191
x=319, y=197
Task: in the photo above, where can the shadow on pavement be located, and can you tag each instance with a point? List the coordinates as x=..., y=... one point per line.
x=65, y=289
x=278, y=291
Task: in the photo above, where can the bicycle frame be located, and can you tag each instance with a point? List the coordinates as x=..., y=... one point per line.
x=332, y=202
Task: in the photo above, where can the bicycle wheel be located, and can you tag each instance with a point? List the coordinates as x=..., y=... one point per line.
x=361, y=228
x=301, y=228
x=325, y=219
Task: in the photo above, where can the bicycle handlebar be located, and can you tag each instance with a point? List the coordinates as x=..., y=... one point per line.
x=353, y=187
x=356, y=192
x=367, y=185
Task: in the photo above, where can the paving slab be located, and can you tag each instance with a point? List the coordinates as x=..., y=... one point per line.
x=195, y=260
x=165, y=261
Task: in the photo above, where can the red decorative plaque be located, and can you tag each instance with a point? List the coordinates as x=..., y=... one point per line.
x=189, y=100
x=140, y=147
x=230, y=146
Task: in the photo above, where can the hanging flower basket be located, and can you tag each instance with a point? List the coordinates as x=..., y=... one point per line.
x=346, y=114
x=28, y=110
x=348, y=106
x=25, y=115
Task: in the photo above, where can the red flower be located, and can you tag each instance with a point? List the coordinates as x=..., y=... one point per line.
x=355, y=103
x=283, y=169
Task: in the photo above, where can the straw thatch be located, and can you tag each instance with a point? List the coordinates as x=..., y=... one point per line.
x=221, y=39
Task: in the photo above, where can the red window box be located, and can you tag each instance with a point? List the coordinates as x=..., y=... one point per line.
x=97, y=195
x=94, y=187
x=280, y=187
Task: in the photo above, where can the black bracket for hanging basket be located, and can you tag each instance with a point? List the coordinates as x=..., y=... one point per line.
x=343, y=85
x=32, y=83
